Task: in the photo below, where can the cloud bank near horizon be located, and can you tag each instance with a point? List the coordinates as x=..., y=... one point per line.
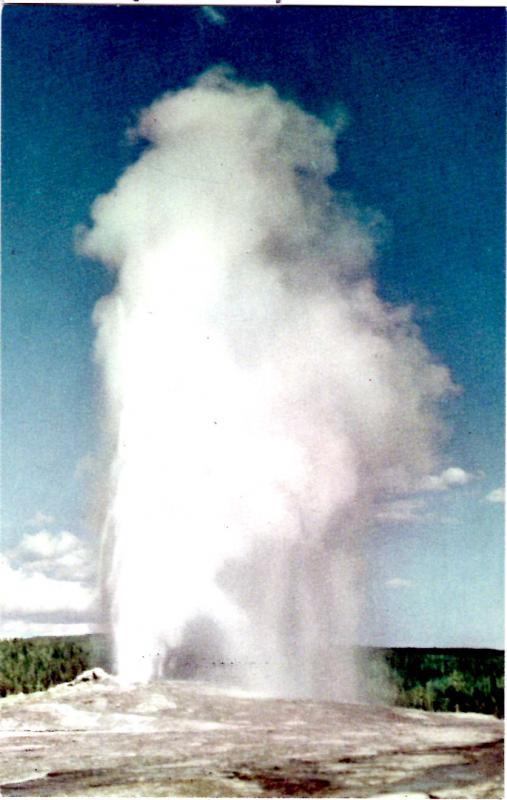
x=47, y=586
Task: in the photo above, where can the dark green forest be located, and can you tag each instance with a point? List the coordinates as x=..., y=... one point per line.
x=447, y=679
x=30, y=665
x=433, y=680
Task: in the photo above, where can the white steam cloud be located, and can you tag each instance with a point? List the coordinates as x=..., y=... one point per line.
x=262, y=401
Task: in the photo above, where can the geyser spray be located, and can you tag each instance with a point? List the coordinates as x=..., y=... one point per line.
x=261, y=399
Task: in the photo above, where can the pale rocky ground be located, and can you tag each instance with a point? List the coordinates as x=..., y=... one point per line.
x=182, y=738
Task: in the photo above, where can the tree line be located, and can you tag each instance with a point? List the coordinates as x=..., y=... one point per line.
x=448, y=679
x=31, y=665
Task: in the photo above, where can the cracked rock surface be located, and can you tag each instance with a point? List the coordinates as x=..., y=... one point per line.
x=180, y=738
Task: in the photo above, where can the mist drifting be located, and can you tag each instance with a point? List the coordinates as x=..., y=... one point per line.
x=262, y=401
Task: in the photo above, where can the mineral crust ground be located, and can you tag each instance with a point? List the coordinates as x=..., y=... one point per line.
x=182, y=738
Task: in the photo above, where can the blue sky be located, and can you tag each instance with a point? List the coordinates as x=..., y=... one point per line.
x=424, y=92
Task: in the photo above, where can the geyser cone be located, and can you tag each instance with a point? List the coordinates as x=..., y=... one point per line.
x=260, y=396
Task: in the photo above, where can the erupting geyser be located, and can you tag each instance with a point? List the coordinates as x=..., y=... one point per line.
x=261, y=399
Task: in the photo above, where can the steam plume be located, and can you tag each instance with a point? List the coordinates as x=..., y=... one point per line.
x=261, y=399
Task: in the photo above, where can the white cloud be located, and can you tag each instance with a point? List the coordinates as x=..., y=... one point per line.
x=26, y=595
x=45, y=544
x=213, y=15
x=406, y=510
x=43, y=589
x=452, y=476
x=398, y=583
x=61, y=556
x=497, y=495
x=39, y=519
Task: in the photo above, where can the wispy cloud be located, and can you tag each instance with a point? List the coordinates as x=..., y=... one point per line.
x=405, y=510
x=452, y=476
x=85, y=467
x=40, y=519
x=398, y=583
x=497, y=495
x=213, y=15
